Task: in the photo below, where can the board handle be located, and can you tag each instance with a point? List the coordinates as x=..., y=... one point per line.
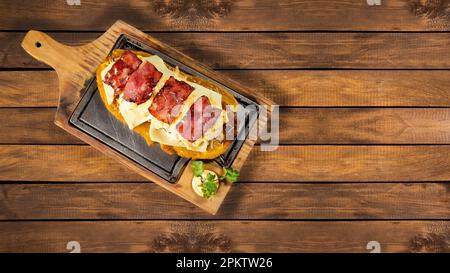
x=45, y=49
x=67, y=60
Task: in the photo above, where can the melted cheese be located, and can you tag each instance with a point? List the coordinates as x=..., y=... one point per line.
x=134, y=114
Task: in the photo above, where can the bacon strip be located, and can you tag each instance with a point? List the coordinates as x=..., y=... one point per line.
x=140, y=84
x=121, y=70
x=199, y=119
x=166, y=104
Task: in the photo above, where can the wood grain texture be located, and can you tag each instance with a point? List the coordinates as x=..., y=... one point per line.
x=364, y=126
x=32, y=125
x=297, y=126
x=405, y=206
x=225, y=236
x=40, y=87
x=285, y=87
x=407, y=163
x=245, y=201
x=265, y=51
x=228, y=15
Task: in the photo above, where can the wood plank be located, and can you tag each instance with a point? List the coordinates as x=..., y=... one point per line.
x=298, y=126
x=409, y=163
x=349, y=87
x=286, y=87
x=245, y=201
x=225, y=236
x=265, y=51
x=364, y=126
x=227, y=15
x=40, y=87
x=32, y=125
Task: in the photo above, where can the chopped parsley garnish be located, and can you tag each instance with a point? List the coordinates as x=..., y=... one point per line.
x=231, y=175
x=209, y=185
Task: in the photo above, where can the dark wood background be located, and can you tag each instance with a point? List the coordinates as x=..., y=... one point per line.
x=365, y=130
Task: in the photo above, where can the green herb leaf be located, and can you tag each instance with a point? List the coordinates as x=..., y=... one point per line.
x=209, y=186
x=231, y=175
x=197, y=167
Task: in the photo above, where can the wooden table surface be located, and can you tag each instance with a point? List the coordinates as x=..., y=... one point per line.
x=365, y=130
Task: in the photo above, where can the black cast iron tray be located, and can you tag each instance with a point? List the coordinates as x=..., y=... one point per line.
x=92, y=117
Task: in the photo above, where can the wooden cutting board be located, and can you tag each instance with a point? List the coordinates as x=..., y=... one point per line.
x=76, y=66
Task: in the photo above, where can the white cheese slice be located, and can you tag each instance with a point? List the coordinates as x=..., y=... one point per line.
x=165, y=137
x=162, y=136
x=134, y=114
